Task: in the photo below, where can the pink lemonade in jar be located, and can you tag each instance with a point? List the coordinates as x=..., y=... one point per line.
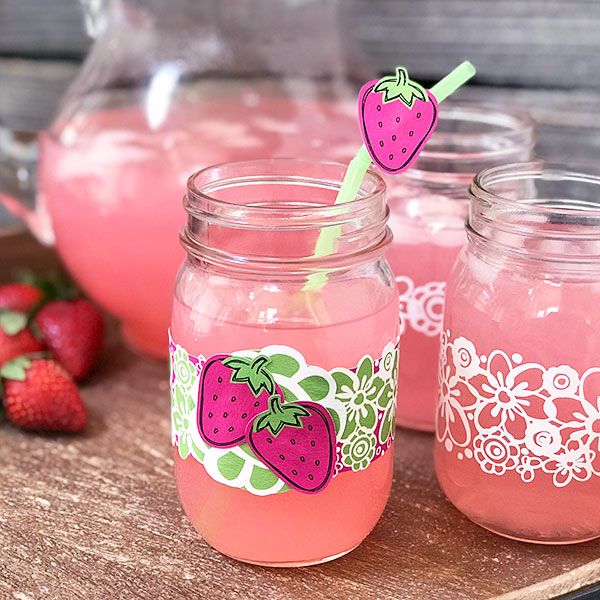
x=518, y=432
x=111, y=183
x=428, y=235
x=428, y=204
x=223, y=307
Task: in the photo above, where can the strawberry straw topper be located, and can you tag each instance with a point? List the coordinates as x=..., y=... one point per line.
x=397, y=117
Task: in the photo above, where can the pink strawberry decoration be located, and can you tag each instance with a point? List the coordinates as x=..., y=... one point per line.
x=295, y=440
x=233, y=390
x=397, y=117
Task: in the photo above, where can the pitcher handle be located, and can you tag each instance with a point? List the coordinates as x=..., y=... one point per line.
x=19, y=152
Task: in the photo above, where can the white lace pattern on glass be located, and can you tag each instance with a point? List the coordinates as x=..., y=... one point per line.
x=421, y=307
x=510, y=415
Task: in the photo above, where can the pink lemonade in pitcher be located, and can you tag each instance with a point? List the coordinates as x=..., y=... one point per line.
x=240, y=297
x=111, y=183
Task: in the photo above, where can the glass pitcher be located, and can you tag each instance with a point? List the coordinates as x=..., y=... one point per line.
x=167, y=89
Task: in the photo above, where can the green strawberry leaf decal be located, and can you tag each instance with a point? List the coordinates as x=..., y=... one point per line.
x=400, y=87
x=282, y=364
x=280, y=416
x=252, y=372
x=12, y=322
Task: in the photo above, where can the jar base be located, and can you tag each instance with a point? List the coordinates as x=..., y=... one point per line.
x=307, y=563
x=529, y=540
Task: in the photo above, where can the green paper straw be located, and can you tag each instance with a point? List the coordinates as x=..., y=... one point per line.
x=359, y=165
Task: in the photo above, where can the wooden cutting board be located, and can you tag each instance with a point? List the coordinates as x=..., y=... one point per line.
x=96, y=516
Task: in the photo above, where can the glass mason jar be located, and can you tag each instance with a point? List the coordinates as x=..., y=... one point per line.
x=169, y=88
x=518, y=421
x=284, y=365
x=428, y=206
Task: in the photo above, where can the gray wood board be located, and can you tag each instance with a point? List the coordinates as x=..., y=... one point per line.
x=514, y=42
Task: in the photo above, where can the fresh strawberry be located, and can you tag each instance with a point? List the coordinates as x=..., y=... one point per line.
x=20, y=297
x=15, y=337
x=40, y=395
x=397, y=117
x=74, y=331
x=296, y=441
x=233, y=391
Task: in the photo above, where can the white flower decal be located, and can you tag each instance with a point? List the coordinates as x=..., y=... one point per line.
x=465, y=357
x=561, y=380
x=508, y=414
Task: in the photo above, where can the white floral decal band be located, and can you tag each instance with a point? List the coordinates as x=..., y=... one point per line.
x=421, y=307
x=510, y=415
x=239, y=449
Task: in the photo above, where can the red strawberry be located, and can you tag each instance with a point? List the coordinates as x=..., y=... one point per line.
x=74, y=331
x=40, y=395
x=20, y=297
x=397, y=117
x=296, y=440
x=15, y=337
x=233, y=390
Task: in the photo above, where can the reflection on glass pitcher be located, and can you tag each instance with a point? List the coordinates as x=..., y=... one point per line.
x=166, y=90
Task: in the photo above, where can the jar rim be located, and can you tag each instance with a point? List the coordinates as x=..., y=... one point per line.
x=513, y=125
x=279, y=170
x=480, y=188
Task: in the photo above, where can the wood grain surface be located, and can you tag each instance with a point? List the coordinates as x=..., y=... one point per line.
x=96, y=516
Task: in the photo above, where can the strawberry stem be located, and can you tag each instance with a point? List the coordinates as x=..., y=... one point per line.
x=279, y=416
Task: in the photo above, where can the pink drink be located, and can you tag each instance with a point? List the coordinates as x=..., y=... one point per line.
x=428, y=234
x=518, y=432
x=279, y=528
x=428, y=204
x=112, y=183
x=243, y=288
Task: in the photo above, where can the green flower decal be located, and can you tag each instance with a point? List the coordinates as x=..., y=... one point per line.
x=359, y=392
x=387, y=401
x=358, y=452
x=184, y=369
x=182, y=407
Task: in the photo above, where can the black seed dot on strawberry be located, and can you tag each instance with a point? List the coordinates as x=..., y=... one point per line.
x=216, y=430
x=393, y=138
x=257, y=403
x=391, y=157
x=380, y=124
x=220, y=380
x=233, y=398
x=225, y=415
x=381, y=143
x=269, y=441
x=418, y=115
x=310, y=427
x=292, y=442
x=312, y=443
x=302, y=459
x=403, y=150
x=411, y=133
x=230, y=429
x=282, y=457
x=294, y=472
x=379, y=107
x=244, y=415
x=311, y=477
x=397, y=119
x=210, y=415
x=317, y=462
x=215, y=397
